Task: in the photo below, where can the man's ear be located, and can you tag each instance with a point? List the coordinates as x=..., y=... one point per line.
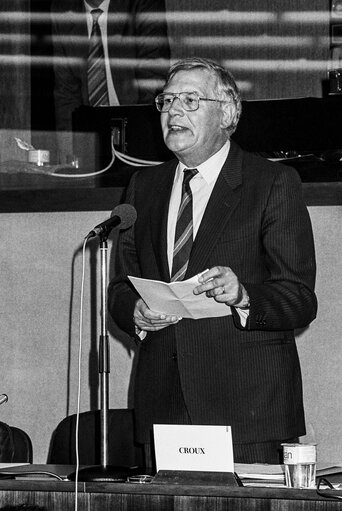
x=228, y=115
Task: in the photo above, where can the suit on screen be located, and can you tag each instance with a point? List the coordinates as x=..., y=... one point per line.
x=137, y=45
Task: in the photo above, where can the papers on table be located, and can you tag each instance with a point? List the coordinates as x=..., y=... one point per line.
x=35, y=471
x=259, y=474
x=11, y=465
x=326, y=469
x=177, y=298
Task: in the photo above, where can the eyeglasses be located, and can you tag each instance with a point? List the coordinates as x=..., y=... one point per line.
x=326, y=484
x=189, y=100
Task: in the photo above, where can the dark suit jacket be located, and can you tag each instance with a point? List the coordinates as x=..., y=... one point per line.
x=249, y=378
x=134, y=43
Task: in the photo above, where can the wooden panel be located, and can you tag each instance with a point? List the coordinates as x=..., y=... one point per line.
x=153, y=497
x=53, y=501
x=254, y=501
x=104, y=199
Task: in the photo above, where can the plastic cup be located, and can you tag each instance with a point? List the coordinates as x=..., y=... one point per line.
x=300, y=465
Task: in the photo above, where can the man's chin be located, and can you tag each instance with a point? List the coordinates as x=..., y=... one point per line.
x=176, y=144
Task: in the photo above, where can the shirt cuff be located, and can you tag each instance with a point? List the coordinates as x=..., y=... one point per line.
x=243, y=315
x=140, y=333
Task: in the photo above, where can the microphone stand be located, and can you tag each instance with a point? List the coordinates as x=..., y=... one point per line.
x=104, y=472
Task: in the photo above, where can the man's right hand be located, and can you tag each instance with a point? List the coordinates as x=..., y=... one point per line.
x=151, y=321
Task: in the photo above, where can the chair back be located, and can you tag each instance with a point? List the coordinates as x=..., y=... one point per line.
x=15, y=445
x=23, y=451
x=122, y=450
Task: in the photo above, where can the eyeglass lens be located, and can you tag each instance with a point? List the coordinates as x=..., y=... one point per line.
x=189, y=101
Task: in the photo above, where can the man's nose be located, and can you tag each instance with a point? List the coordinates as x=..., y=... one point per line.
x=176, y=106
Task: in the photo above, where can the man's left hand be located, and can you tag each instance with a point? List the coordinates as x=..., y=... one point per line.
x=221, y=283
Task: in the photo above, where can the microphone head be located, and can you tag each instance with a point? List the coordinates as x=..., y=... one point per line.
x=3, y=398
x=126, y=213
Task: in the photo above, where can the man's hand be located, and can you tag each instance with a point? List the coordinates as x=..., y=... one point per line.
x=221, y=283
x=148, y=320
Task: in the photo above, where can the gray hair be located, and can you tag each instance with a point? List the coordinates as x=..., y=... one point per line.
x=225, y=85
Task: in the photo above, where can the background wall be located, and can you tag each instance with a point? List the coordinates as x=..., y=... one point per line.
x=41, y=268
x=40, y=265
x=320, y=347
x=274, y=49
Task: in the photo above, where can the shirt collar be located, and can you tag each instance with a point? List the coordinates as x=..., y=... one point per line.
x=104, y=6
x=210, y=169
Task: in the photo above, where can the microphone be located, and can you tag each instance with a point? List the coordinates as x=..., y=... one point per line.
x=123, y=216
x=3, y=398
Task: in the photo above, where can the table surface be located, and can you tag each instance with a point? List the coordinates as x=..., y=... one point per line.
x=56, y=495
x=34, y=477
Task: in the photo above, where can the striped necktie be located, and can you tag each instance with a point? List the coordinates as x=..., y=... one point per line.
x=97, y=81
x=184, y=229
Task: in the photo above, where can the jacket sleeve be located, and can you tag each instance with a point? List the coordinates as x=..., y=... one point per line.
x=286, y=299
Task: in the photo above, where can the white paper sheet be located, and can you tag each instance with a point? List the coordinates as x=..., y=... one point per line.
x=177, y=298
x=12, y=465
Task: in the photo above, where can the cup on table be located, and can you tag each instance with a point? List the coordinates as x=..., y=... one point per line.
x=300, y=465
x=39, y=156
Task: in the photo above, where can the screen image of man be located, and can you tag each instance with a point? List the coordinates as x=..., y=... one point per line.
x=125, y=41
x=249, y=231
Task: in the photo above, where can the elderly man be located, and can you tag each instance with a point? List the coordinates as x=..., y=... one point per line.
x=249, y=231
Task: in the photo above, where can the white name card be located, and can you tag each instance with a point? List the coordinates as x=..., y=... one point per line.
x=196, y=448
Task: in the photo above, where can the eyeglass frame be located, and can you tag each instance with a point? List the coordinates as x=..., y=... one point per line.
x=327, y=494
x=178, y=94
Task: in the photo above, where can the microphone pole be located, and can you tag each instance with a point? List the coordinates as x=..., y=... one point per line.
x=104, y=359
x=106, y=472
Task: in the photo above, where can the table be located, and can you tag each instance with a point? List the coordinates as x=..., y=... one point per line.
x=60, y=495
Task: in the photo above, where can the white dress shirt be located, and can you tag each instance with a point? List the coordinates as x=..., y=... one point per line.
x=201, y=185
x=113, y=98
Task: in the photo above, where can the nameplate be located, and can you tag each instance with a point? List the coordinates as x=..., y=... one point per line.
x=193, y=448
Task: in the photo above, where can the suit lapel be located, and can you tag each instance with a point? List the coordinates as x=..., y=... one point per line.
x=159, y=215
x=223, y=200
x=74, y=27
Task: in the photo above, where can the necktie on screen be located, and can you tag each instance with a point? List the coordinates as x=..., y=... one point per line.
x=184, y=229
x=97, y=81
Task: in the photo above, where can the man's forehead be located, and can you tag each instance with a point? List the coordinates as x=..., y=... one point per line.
x=197, y=80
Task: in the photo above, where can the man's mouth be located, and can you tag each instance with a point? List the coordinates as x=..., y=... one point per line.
x=176, y=128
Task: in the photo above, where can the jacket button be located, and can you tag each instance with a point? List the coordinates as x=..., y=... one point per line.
x=174, y=356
